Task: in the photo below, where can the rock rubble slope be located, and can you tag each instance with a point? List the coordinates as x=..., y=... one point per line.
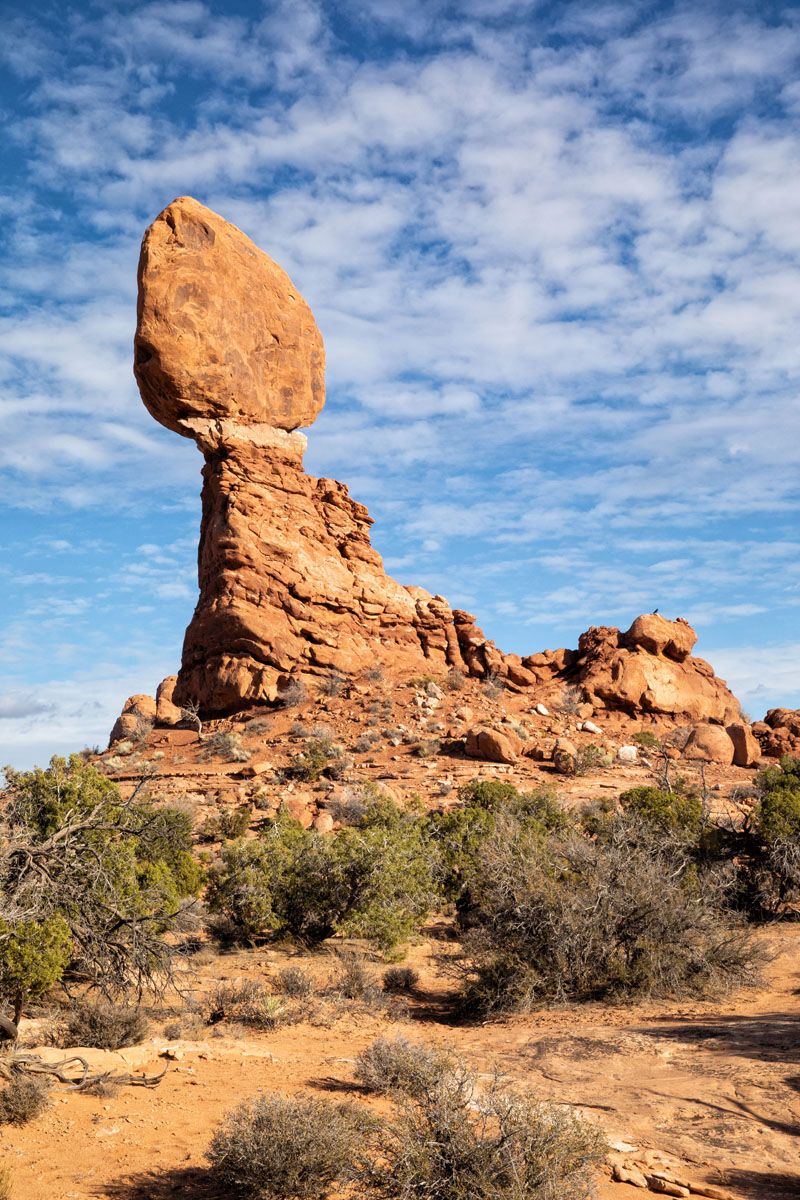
x=227, y=352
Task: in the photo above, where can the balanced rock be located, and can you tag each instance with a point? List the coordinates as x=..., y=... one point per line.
x=222, y=332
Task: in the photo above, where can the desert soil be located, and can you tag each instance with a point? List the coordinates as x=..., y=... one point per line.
x=710, y=1090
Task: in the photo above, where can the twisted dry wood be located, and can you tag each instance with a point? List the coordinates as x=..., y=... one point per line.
x=73, y=1072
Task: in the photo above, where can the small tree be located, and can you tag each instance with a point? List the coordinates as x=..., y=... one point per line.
x=190, y=713
x=113, y=870
x=33, y=957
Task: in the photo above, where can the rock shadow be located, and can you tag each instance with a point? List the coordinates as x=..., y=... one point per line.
x=190, y=1183
x=769, y=1037
x=764, y=1185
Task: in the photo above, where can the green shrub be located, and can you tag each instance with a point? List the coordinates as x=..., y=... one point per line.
x=459, y=833
x=106, y=1026
x=33, y=957
x=239, y=889
x=768, y=853
x=166, y=836
x=672, y=812
x=315, y=757
x=288, y=1148
x=23, y=1099
x=372, y=880
x=489, y=794
x=115, y=871
x=455, y=1141
x=777, y=816
x=574, y=919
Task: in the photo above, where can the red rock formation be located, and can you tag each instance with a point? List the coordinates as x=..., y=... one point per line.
x=227, y=352
x=779, y=732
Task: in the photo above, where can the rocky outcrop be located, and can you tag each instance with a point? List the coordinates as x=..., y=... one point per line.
x=227, y=352
x=779, y=732
x=646, y=670
x=138, y=714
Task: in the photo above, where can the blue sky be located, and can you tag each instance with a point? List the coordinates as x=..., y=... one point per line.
x=554, y=250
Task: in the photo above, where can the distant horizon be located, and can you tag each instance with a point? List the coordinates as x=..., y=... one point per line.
x=554, y=252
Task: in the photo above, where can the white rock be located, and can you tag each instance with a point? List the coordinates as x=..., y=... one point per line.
x=589, y=727
x=627, y=754
x=542, y=711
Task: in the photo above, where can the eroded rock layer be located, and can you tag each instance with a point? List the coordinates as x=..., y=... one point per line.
x=289, y=583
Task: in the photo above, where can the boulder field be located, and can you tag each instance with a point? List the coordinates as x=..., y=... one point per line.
x=227, y=352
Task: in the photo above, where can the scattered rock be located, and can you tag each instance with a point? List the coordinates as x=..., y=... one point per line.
x=492, y=745
x=746, y=747
x=665, y=1187
x=628, y=754
x=565, y=756
x=632, y=1175
x=252, y=769
x=542, y=710
x=589, y=727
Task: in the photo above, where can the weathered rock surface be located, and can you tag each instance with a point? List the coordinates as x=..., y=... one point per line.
x=493, y=745
x=138, y=712
x=222, y=332
x=709, y=743
x=646, y=670
x=227, y=352
x=746, y=748
x=779, y=732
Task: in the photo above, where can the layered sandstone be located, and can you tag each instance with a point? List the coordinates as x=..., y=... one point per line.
x=227, y=352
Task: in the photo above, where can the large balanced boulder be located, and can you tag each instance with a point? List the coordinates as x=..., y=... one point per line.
x=222, y=331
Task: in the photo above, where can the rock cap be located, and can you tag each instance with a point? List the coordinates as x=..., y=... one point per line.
x=222, y=333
